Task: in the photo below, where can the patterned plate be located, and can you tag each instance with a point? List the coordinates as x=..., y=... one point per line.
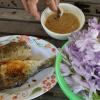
x=42, y=81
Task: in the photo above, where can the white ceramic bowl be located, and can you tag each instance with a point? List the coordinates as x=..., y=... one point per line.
x=69, y=8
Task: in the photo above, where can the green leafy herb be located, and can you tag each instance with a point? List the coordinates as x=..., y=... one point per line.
x=36, y=90
x=96, y=96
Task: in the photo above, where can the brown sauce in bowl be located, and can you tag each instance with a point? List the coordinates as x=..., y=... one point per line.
x=65, y=24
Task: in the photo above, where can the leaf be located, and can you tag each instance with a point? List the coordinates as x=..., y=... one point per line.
x=96, y=96
x=36, y=90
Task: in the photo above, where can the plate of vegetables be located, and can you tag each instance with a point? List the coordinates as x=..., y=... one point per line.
x=78, y=64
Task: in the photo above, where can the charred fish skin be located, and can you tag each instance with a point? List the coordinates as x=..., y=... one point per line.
x=15, y=73
x=17, y=50
x=12, y=74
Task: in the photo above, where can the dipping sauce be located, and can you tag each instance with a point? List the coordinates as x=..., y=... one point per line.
x=65, y=24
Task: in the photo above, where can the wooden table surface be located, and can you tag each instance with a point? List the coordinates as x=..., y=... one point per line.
x=15, y=20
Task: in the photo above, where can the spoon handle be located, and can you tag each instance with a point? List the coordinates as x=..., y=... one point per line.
x=59, y=12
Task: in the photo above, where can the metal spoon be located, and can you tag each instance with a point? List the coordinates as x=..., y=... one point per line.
x=60, y=12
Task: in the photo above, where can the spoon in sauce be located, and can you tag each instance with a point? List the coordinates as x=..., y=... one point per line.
x=59, y=12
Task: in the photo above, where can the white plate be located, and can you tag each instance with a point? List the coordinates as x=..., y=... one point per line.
x=45, y=80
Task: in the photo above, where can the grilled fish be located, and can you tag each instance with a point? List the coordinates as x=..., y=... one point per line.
x=16, y=51
x=14, y=73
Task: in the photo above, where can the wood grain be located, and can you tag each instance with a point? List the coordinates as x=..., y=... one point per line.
x=22, y=15
x=20, y=27
x=11, y=4
x=18, y=5
x=15, y=14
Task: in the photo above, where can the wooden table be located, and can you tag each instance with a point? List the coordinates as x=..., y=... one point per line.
x=15, y=20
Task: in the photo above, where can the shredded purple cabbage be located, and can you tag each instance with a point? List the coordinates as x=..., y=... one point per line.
x=83, y=50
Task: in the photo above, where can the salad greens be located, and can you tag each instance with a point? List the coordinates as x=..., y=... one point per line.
x=83, y=53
